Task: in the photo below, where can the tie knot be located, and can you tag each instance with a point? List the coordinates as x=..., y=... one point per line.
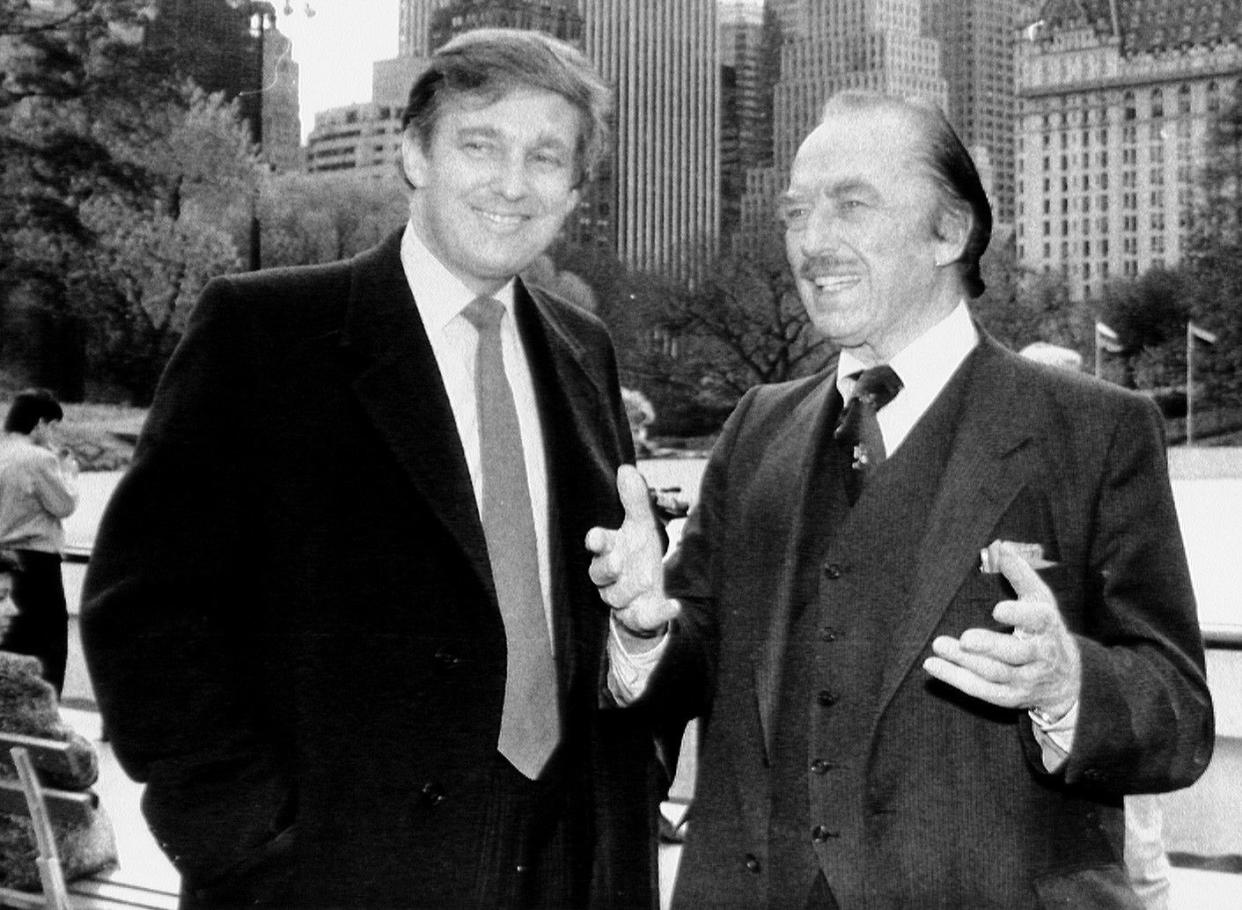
x=878, y=384
x=484, y=313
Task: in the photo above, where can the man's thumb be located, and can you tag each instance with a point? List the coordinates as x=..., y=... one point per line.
x=634, y=496
x=1025, y=580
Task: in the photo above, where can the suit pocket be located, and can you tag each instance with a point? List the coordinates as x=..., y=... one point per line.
x=1103, y=887
x=262, y=879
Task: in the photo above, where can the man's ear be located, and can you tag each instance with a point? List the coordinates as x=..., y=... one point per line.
x=951, y=230
x=413, y=159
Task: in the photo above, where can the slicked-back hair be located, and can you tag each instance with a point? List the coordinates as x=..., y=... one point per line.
x=949, y=165
x=489, y=63
x=28, y=408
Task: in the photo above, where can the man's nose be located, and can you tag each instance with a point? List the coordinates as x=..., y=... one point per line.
x=510, y=177
x=822, y=230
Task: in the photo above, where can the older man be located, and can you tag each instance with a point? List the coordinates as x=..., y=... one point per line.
x=933, y=602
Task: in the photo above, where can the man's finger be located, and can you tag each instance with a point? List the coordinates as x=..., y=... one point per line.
x=1030, y=616
x=1025, y=580
x=600, y=540
x=634, y=496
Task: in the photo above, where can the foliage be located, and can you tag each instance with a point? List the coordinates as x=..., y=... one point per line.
x=693, y=350
x=1020, y=307
x=1214, y=262
x=310, y=219
x=123, y=189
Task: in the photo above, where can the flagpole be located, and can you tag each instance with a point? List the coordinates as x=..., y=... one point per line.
x=1190, y=376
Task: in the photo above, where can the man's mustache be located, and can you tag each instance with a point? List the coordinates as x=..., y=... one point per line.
x=818, y=266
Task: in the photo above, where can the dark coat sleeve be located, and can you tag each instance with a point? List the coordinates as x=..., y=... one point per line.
x=1145, y=713
x=165, y=616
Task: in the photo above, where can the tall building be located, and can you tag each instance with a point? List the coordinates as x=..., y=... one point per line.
x=662, y=58
x=362, y=140
x=414, y=27
x=977, y=42
x=833, y=45
x=1116, y=100
x=558, y=18
x=750, y=38
x=282, y=125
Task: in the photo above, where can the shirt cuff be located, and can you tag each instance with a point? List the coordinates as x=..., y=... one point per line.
x=628, y=672
x=1055, y=738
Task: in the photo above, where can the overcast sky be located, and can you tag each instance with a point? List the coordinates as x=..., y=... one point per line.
x=335, y=48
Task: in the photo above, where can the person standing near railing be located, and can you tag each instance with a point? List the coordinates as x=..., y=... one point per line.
x=38, y=490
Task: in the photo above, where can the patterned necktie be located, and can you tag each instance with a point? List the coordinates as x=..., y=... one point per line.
x=530, y=726
x=859, y=427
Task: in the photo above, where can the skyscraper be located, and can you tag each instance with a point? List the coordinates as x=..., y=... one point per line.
x=833, y=45
x=750, y=38
x=1116, y=103
x=558, y=18
x=414, y=27
x=977, y=39
x=662, y=57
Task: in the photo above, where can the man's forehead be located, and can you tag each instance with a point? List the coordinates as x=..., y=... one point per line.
x=856, y=146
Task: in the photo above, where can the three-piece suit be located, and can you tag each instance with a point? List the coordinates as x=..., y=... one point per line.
x=828, y=752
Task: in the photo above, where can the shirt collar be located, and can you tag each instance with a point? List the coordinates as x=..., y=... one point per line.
x=439, y=294
x=927, y=363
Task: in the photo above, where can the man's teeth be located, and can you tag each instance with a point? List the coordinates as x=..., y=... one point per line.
x=835, y=282
x=503, y=220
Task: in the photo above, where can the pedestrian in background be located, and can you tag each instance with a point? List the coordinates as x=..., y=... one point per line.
x=38, y=490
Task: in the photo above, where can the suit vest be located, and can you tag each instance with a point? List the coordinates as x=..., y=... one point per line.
x=854, y=569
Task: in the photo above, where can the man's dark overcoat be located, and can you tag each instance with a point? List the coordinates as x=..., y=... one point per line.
x=290, y=619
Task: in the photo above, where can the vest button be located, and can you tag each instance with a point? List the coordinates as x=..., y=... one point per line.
x=752, y=864
x=826, y=698
x=832, y=570
x=827, y=633
x=819, y=766
x=821, y=834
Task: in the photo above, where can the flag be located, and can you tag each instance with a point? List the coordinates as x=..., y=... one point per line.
x=1107, y=339
x=1202, y=334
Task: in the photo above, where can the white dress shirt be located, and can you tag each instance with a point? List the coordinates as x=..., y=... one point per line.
x=440, y=298
x=925, y=367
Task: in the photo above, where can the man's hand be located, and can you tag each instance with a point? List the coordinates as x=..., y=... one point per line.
x=628, y=567
x=1036, y=667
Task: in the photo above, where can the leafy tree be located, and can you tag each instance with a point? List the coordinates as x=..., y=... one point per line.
x=1214, y=260
x=1149, y=314
x=1020, y=307
x=309, y=219
x=107, y=160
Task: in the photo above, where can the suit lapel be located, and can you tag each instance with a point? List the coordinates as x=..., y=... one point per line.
x=579, y=466
x=398, y=384
x=983, y=476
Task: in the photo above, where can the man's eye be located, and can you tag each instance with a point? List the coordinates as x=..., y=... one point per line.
x=477, y=146
x=548, y=159
x=795, y=214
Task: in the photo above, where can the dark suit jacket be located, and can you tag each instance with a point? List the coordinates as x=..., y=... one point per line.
x=289, y=616
x=956, y=807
